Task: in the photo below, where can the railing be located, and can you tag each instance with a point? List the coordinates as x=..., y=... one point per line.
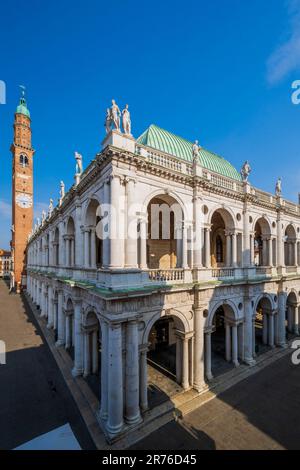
x=291, y=269
x=263, y=270
x=164, y=275
x=219, y=273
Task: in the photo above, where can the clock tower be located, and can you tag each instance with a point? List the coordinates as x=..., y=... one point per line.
x=22, y=189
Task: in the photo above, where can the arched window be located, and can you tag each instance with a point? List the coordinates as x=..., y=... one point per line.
x=219, y=249
x=24, y=161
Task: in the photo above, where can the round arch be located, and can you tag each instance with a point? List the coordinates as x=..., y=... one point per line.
x=228, y=306
x=160, y=192
x=227, y=215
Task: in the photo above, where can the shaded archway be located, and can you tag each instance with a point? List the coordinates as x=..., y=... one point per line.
x=290, y=246
x=225, y=243
x=93, y=246
x=264, y=324
x=292, y=315
x=222, y=341
x=92, y=349
x=263, y=243
x=70, y=243
x=167, y=236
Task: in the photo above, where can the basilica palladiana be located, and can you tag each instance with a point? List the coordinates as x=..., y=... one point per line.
x=163, y=260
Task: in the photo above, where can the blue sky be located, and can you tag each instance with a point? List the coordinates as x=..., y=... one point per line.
x=217, y=71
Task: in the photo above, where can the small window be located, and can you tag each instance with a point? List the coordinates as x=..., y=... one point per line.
x=24, y=161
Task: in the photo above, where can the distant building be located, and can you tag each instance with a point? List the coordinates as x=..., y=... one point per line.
x=5, y=263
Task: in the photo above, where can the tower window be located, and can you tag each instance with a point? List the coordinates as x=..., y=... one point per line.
x=24, y=161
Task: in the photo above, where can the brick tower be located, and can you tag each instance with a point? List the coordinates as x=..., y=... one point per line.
x=22, y=189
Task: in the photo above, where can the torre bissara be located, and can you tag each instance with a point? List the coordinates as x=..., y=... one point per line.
x=163, y=260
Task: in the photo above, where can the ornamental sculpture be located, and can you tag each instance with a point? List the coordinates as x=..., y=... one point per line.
x=78, y=159
x=50, y=208
x=245, y=171
x=196, y=154
x=112, y=119
x=62, y=190
x=126, y=120
x=278, y=187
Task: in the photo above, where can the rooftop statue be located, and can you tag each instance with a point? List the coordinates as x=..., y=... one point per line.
x=78, y=159
x=62, y=190
x=43, y=216
x=50, y=209
x=245, y=171
x=126, y=121
x=278, y=187
x=196, y=154
x=115, y=114
x=108, y=121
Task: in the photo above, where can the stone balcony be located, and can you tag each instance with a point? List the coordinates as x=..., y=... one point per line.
x=124, y=279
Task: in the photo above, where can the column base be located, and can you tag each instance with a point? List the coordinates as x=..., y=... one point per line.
x=114, y=430
x=50, y=326
x=59, y=343
x=209, y=377
x=250, y=361
x=236, y=364
x=282, y=345
x=76, y=372
x=135, y=420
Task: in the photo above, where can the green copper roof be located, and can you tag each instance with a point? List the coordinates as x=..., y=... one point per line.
x=170, y=143
x=22, y=108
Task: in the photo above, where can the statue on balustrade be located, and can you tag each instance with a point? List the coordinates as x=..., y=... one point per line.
x=278, y=187
x=245, y=171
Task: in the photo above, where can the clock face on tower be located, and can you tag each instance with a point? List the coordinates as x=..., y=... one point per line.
x=24, y=200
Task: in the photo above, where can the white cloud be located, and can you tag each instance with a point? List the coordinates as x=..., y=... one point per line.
x=286, y=57
x=5, y=209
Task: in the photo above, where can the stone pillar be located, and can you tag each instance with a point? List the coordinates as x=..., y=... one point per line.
x=105, y=234
x=247, y=256
x=184, y=246
x=87, y=355
x=228, y=250
x=199, y=381
x=68, y=341
x=143, y=380
x=280, y=244
x=228, y=342
x=115, y=379
x=67, y=241
x=248, y=337
x=234, y=250
x=208, y=372
x=295, y=253
x=265, y=328
x=178, y=359
x=61, y=321
x=296, y=324
x=86, y=248
x=252, y=250
x=132, y=410
x=271, y=330
x=104, y=370
x=281, y=319
x=235, y=346
x=116, y=246
x=207, y=248
x=93, y=248
x=131, y=232
x=197, y=232
x=50, y=307
x=78, y=238
x=253, y=338
x=95, y=349
x=78, y=347
x=270, y=250
x=143, y=243
x=185, y=363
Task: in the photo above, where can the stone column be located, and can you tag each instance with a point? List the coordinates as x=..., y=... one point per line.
x=281, y=319
x=199, y=381
x=185, y=363
x=178, y=359
x=197, y=232
x=208, y=372
x=143, y=380
x=184, y=247
x=252, y=250
x=295, y=253
x=270, y=250
x=68, y=341
x=235, y=346
x=247, y=256
x=265, y=328
x=296, y=324
x=50, y=307
x=67, y=241
x=78, y=347
x=253, y=338
x=248, y=337
x=105, y=235
x=271, y=330
x=228, y=342
x=61, y=321
x=95, y=361
x=280, y=245
x=60, y=248
x=115, y=379
x=93, y=248
x=131, y=232
x=228, y=250
x=87, y=355
x=78, y=238
x=104, y=370
x=116, y=247
x=234, y=250
x=143, y=243
x=207, y=248
x=86, y=248
x=132, y=410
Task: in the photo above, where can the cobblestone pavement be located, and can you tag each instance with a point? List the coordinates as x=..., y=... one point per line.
x=33, y=396
x=261, y=412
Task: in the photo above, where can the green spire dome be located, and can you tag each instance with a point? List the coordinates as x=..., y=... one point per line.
x=22, y=108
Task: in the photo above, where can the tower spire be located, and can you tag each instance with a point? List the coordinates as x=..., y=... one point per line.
x=22, y=108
